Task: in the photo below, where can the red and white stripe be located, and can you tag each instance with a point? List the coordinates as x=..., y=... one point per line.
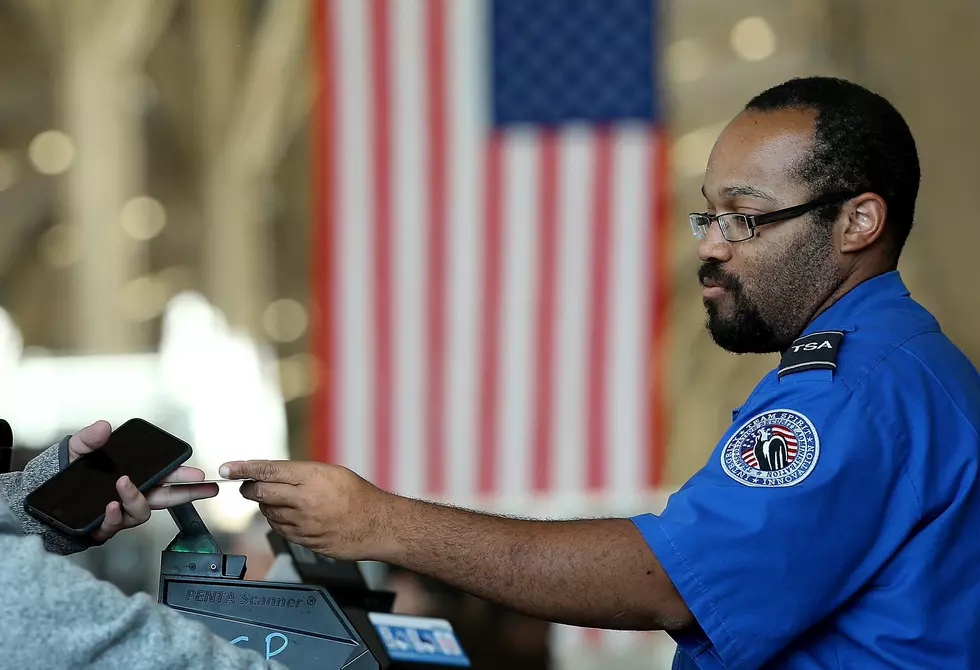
x=789, y=438
x=491, y=303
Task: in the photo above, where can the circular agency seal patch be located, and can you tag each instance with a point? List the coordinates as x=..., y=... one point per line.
x=776, y=448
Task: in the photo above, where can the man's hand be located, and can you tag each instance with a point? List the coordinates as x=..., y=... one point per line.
x=135, y=507
x=324, y=507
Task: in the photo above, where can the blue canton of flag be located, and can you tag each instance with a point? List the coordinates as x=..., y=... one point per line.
x=556, y=61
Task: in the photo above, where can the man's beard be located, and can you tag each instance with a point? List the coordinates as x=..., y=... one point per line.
x=787, y=293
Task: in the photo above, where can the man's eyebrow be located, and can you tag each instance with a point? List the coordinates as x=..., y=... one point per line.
x=737, y=190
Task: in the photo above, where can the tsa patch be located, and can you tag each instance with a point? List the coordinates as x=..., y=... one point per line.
x=777, y=448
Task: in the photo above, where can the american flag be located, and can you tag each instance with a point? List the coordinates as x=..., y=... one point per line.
x=489, y=256
x=490, y=248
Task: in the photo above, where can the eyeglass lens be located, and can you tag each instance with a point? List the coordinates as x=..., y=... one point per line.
x=734, y=227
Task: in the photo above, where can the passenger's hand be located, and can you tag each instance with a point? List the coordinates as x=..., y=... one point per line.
x=326, y=508
x=134, y=508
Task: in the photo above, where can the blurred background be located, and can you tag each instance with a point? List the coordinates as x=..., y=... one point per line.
x=440, y=241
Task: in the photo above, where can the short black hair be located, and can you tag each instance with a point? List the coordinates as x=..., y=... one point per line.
x=861, y=144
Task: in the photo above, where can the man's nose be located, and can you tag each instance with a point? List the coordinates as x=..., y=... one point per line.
x=713, y=247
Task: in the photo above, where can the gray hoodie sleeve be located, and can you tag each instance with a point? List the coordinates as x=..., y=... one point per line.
x=15, y=486
x=58, y=615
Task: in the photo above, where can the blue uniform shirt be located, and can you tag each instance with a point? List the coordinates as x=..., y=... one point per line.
x=837, y=522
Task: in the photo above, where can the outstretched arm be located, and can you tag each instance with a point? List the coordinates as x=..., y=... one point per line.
x=597, y=573
x=590, y=572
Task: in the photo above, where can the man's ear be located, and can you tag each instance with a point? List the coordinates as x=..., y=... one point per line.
x=863, y=222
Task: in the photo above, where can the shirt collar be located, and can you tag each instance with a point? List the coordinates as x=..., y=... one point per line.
x=869, y=292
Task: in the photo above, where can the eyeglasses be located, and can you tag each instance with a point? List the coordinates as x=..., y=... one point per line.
x=740, y=227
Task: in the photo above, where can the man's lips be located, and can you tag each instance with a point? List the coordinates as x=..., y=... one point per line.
x=712, y=288
x=712, y=291
x=712, y=280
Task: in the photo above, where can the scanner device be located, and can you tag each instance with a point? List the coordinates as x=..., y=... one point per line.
x=325, y=617
x=396, y=640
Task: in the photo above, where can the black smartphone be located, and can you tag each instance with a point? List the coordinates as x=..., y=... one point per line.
x=6, y=446
x=74, y=500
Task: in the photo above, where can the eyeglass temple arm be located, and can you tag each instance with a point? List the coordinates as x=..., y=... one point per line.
x=798, y=210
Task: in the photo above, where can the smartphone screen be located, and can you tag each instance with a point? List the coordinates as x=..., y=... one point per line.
x=76, y=498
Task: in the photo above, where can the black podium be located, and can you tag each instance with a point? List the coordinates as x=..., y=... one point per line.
x=327, y=621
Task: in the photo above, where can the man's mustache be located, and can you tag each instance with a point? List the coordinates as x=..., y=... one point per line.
x=718, y=276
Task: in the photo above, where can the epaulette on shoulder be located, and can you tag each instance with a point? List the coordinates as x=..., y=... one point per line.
x=816, y=351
